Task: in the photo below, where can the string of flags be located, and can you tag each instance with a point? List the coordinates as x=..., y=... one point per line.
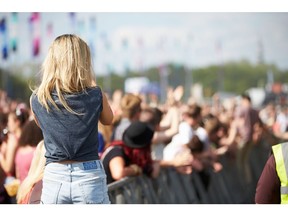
x=4, y=39
x=38, y=42
x=34, y=21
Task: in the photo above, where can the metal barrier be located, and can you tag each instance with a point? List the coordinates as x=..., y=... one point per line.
x=171, y=187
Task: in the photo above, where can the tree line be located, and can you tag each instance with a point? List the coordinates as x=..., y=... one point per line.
x=233, y=77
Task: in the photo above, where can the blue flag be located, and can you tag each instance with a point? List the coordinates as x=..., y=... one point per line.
x=4, y=36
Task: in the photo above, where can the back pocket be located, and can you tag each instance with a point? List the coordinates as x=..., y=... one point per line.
x=93, y=190
x=50, y=191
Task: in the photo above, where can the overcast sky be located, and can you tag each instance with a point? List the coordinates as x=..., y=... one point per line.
x=194, y=39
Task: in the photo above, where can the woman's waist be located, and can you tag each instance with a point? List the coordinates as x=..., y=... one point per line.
x=70, y=161
x=79, y=165
x=73, y=172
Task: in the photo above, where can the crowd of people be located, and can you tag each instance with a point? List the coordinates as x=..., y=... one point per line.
x=143, y=138
x=72, y=139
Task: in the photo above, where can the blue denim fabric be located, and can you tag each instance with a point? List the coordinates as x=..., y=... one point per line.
x=83, y=183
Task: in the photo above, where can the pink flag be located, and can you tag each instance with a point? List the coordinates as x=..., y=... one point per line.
x=35, y=30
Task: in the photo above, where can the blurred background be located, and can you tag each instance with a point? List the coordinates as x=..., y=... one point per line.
x=207, y=53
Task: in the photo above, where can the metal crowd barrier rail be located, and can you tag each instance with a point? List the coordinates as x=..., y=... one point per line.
x=171, y=187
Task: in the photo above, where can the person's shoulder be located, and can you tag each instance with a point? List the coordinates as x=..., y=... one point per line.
x=201, y=131
x=95, y=88
x=95, y=91
x=33, y=96
x=271, y=163
x=111, y=152
x=184, y=124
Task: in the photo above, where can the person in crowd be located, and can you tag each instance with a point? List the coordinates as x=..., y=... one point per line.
x=189, y=126
x=245, y=117
x=131, y=156
x=116, y=102
x=130, y=105
x=67, y=106
x=216, y=131
x=162, y=133
x=268, y=115
x=31, y=135
x=152, y=116
x=226, y=138
x=16, y=121
x=30, y=189
x=17, y=117
x=272, y=184
x=202, y=161
x=204, y=157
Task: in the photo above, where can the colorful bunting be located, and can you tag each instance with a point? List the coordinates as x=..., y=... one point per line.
x=4, y=38
x=13, y=32
x=35, y=30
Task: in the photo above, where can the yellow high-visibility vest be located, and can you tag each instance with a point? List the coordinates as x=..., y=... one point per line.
x=280, y=152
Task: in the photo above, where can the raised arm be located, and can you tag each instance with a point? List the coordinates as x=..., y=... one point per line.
x=106, y=116
x=172, y=121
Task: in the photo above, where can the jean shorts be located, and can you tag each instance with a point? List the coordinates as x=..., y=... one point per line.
x=83, y=183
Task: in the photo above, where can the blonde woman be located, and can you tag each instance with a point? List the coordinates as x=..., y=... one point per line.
x=67, y=105
x=30, y=189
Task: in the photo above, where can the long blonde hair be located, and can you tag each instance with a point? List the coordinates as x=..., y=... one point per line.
x=35, y=173
x=67, y=68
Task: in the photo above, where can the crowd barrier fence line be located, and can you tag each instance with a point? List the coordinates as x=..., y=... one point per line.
x=171, y=187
